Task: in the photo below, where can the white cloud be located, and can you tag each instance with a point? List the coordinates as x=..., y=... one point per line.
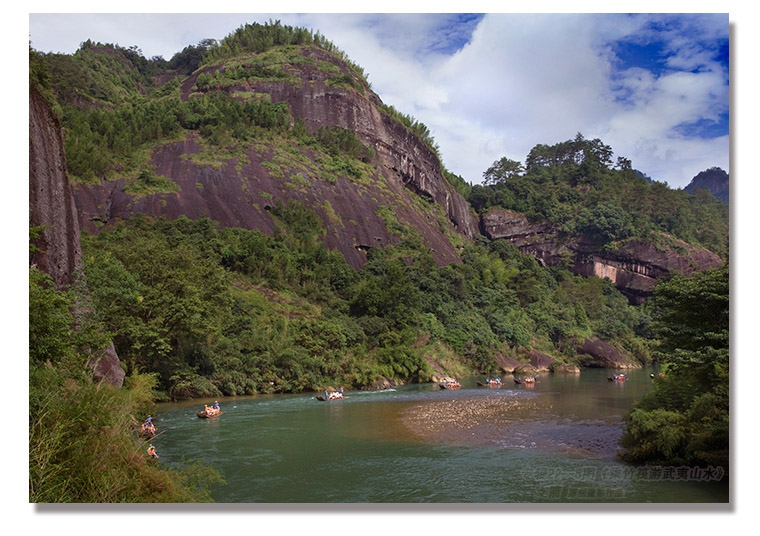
x=525, y=80
x=522, y=80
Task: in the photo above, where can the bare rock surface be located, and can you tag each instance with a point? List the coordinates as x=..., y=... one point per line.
x=52, y=207
x=634, y=267
x=239, y=192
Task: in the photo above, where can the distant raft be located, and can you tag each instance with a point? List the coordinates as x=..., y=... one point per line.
x=328, y=397
x=209, y=412
x=490, y=382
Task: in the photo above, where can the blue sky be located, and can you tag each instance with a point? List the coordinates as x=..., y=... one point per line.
x=652, y=86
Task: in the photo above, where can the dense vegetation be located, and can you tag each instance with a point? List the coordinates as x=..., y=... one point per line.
x=231, y=311
x=684, y=420
x=574, y=185
x=83, y=445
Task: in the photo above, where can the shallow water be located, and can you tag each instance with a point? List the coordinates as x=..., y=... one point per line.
x=554, y=442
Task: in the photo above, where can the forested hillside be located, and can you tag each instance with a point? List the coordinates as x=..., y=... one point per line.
x=575, y=186
x=233, y=311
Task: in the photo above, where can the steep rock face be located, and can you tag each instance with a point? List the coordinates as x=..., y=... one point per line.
x=537, y=239
x=402, y=155
x=240, y=193
x=51, y=206
x=634, y=267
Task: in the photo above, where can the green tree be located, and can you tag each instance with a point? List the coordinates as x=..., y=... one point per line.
x=685, y=418
x=502, y=170
x=82, y=442
x=606, y=222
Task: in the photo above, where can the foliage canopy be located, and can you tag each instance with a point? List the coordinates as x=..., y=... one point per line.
x=685, y=418
x=574, y=185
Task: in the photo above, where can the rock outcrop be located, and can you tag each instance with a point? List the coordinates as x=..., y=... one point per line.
x=537, y=362
x=51, y=207
x=596, y=353
x=508, y=364
x=239, y=192
x=634, y=266
x=567, y=369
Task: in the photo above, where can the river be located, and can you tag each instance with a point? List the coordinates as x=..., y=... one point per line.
x=551, y=443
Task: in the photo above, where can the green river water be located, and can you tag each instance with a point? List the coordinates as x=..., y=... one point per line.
x=553, y=443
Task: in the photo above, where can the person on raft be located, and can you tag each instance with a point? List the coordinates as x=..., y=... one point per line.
x=148, y=426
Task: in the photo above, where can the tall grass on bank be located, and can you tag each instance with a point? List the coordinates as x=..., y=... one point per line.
x=83, y=446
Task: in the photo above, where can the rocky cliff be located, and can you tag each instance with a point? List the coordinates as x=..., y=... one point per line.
x=633, y=266
x=239, y=191
x=401, y=194
x=51, y=206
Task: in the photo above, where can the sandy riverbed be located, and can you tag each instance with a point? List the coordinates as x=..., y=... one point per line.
x=509, y=422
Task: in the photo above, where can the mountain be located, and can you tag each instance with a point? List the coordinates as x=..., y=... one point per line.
x=262, y=124
x=256, y=219
x=365, y=202
x=715, y=180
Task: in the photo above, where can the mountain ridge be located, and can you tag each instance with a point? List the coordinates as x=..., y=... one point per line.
x=401, y=193
x=406, y=170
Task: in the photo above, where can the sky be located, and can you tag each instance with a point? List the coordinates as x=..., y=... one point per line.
x=654, y=87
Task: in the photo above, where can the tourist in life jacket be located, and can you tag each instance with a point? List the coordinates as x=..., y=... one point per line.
x=148, y=425
x=152, y=452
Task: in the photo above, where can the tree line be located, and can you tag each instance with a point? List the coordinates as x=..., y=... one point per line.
x=218, y=311
x=575, y=185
